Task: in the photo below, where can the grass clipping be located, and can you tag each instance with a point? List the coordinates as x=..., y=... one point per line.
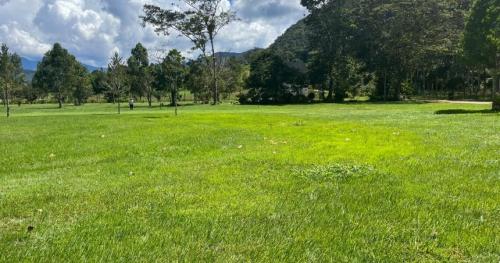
x=334, y=172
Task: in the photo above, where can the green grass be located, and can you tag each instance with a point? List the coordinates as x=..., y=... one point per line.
x=341, y=183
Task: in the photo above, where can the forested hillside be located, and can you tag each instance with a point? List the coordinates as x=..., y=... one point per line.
x=293, y=44
x=389, y=50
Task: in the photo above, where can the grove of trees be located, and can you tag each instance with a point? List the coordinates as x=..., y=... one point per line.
x=387, y=50
x=383, y=50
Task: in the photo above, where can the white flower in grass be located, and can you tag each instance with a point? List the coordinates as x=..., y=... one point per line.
x=240, y=147
x=52, y=155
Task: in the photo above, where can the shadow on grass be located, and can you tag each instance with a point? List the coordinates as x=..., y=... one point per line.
x=462, y=111
x=164, y=106
x=350, y=102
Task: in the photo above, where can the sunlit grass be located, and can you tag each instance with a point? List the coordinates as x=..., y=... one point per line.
x=350, y=182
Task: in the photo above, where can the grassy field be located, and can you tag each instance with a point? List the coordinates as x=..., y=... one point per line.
x=340, y=183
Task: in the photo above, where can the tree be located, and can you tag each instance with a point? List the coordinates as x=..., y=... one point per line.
x=199, y=20
x=55, y=73
x=170, y=75
x=388, y=37
x=198, y=81
x=98, y=82
x=234, y=73
x=82, y=87
x=11, y=74
x=140, y=73
x=175, y=73
x=117, y=79
x=482, y=39
x=272, y=81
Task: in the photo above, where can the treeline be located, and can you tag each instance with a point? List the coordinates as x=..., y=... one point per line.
x=386, y=50
x=60, y=78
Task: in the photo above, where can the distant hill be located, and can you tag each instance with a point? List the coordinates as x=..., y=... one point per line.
x=29, y=75
x=243, y=55
x=30, y=65
x=293, y=46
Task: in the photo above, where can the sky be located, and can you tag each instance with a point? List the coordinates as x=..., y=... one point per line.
x=94, y=29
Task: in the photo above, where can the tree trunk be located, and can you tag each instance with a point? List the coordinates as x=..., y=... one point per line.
x=385, y=85
x=329, y=97
x=6, y=96
x=172, y=95
x=494, y=87
x=214, y=72
x=149, y=97
x=322, y=92
x=175, y=99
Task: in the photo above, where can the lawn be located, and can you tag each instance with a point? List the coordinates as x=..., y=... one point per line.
x=341, y=183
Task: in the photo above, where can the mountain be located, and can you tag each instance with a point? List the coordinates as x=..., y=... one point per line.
x=293, y=44
x=243, y=55
x=28, y=74
x=30, y=65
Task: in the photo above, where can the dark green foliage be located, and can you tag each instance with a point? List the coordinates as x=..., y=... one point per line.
x=140, y=73
x=392, y=50
x=60, y=74
x=117, y=79
x=198, y=20
x=482, y=34
x=198, y=81
x=234, y=72
x=272, y=81
x=82, y=86
x=170, y=75
x=11, y=75
x=482, y=41
x=98, y=80
x=294, y=44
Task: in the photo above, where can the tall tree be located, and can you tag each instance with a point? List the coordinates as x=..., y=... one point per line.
x=117, y=79
x=198, y=81
x=98, y=82
x=11, y=74
x=82, y=87
x=331, y=29
x=55, y=73
x=139, y=71
x=234, y=74
x=482, y=39
x=198, y=20
x=171, y=74
x=272, y=81
x=175, y=73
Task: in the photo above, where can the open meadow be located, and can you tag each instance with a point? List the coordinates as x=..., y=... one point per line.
x=356, y=182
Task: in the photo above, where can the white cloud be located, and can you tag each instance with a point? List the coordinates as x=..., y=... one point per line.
x=93, y=29
x=22, y=41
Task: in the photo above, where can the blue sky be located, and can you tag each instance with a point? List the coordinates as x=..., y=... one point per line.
x=93, y=29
